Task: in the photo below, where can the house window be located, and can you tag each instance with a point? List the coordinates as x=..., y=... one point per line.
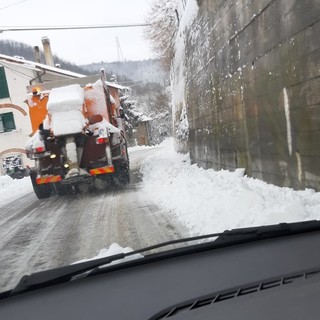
x=4, y=91
x=7, y=122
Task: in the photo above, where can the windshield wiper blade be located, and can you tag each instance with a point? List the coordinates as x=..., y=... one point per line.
x=226, y=238
x=66, y=273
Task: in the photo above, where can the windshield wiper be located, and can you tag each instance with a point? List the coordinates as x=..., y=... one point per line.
x=226, y=238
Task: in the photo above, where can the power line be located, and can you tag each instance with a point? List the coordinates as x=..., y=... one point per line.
x=13, y=4
x=79, y=27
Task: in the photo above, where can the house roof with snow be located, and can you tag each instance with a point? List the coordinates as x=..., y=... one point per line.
x=38, y=66
x=35, y=66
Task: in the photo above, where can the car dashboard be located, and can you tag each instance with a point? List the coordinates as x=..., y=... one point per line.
x=275, y=278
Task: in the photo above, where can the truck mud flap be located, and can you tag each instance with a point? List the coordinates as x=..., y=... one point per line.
x=77, y=179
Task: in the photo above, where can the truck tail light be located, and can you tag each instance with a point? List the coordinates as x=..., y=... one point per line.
x=101, y=140
x=39, y=149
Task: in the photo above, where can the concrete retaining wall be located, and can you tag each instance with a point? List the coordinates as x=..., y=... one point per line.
x=252, y=88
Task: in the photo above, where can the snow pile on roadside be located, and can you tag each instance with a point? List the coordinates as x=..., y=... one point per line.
x=11, y=189
x=112, y=250
x=5, y=181
x=210, y=201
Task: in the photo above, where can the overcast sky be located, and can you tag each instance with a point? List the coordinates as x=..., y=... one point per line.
x=80, y=46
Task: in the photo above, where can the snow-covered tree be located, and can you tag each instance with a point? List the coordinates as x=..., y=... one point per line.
x=148, y=102
x=154, y=102
x=162, y=29
x=114, y=78
x=133, y=116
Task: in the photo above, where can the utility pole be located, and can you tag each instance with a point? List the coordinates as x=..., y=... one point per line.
x=120, y=54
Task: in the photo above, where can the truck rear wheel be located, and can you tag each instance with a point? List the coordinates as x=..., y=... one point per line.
x=125, y=174
x=42, y=191
x=122, y=176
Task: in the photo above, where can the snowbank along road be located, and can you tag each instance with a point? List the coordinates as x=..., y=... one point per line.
x=40, y=234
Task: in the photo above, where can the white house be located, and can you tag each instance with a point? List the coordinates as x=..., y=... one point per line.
x=15, y=128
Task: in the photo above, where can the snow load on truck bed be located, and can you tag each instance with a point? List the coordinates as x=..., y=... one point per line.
x=65, y=107
x=65, y=99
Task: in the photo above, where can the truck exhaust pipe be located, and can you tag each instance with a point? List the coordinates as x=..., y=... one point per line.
x=37, y=54
x=47, y=51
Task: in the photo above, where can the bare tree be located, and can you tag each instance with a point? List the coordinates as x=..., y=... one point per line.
x=162, y=29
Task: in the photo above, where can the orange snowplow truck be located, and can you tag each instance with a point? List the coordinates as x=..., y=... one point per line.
x=78, y=139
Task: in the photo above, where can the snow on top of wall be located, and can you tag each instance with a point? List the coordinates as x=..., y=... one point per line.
x=178, y=75
x=189, y=12
x=65, y=99
x=182, y=131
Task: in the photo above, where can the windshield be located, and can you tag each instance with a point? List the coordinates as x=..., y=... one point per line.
x=125, y=124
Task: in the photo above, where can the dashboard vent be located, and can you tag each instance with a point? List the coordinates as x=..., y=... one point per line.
x=231, y=294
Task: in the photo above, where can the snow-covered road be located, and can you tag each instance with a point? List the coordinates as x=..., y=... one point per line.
x=41, y=234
